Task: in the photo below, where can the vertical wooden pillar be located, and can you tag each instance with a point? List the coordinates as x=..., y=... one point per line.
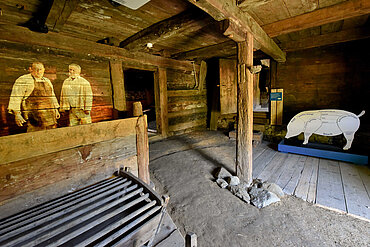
x=142, y=143
x=119, y=94
x=160, y=92
x=137, y=109
x=245, y=110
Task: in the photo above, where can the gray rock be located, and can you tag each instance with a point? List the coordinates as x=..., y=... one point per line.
x=233, y=180
x=244, y=185
x=240, y=192
x=262, y=198
x=222, y=183
x=254, y=191
x=222, y=173
x=273, y=188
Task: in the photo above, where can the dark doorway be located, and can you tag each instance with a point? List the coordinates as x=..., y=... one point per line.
x=139, y=86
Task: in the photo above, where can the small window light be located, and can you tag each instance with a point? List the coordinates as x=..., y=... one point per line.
x=149, y=45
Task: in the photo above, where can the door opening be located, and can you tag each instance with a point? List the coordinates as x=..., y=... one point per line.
x=139, y=86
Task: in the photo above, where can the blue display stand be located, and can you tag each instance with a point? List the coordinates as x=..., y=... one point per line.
x=327, y=154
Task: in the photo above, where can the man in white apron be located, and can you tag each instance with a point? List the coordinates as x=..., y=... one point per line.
x=33, y=101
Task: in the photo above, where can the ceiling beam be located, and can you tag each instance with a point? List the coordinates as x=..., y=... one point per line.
x=186, y=22
x=222, y=9
x=247, y=4
x=59, y=14
x=79, y=46
x=327, y=39
x=225, y=49
x=341, y=11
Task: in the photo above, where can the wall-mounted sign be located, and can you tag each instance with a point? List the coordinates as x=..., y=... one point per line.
x=278, y=96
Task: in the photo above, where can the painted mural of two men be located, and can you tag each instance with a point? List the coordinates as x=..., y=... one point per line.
x=33, y=100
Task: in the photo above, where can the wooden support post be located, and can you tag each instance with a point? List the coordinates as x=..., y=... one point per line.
x=191, y=240
x=245, y=110
x=117, y=79
x=160, y=92
x=142, y=144
x=137, y=109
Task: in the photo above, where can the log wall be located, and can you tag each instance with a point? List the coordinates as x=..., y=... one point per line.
x=330, y=77
x=15, y=58
x=187, y=105
x=333, y=77
x=37, y=166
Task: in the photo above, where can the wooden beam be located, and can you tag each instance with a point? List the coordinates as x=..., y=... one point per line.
x=344, y=10
x=231, y=30
x=142, y=148
x=48, y=141
x=119, y=93
x=224, y=49
x=248, y=4
x=161, y=99
x=245, y=111
x=59, y=14
x=222, y=9
x=327, y=39
x=186, y=22
x=56, y=40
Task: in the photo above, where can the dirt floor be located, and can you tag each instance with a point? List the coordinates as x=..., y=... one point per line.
x=183, y=167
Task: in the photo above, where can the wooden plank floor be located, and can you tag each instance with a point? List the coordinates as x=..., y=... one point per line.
x=338, y=185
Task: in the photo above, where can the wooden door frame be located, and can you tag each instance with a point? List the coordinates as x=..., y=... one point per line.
x=160, y=95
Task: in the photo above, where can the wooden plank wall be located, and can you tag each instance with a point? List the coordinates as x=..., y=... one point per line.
x=330, y=77
x=187, y=104
x=15, y=58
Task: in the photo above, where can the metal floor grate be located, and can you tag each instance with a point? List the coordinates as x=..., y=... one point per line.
x=120, y=211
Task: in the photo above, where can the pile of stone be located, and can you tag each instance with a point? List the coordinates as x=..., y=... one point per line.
x=259, y=194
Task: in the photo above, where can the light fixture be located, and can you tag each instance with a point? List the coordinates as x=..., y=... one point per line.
x=132, y=4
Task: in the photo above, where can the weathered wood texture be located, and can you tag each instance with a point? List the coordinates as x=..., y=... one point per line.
x=225, y=49
x=57, y=51
x=221, y=11
x=47, y=158
x=161, y=101
x=59, y=13
x=228, y=88
x=68, y=169
x=47, y=141
x=142, y=147
x=15, y=58
x=332, y=184
x=188, y=22
x=118, y=83
x=79, y=46
x=137, y=109
x=228, y=121
x=244, y=135
x=327, y=39
x=345, y=10
x=187, y=105
x=331, y=77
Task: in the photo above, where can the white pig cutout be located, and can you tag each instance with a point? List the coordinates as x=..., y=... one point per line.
x=325, y=122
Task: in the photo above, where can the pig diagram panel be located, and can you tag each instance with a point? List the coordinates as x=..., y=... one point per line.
x=325, y=122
